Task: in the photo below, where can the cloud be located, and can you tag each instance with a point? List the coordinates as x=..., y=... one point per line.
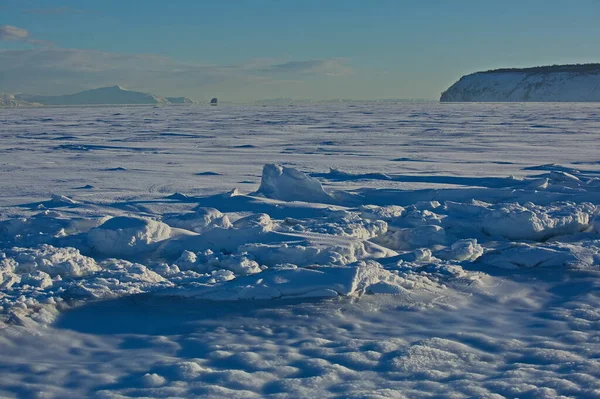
x=13, y=33
x=330, y=67
x=8, y=32
x=58, y=71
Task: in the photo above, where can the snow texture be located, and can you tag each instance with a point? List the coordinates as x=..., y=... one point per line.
x=348, y=251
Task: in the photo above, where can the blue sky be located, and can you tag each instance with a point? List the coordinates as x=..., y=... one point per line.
x=244, y=50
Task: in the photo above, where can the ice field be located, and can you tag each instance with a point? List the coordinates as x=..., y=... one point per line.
x=396, y=250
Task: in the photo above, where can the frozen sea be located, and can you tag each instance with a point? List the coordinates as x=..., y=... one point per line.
x=365, y=250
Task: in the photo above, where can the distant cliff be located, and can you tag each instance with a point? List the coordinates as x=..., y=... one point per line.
x=114, y=95
x=557, y=83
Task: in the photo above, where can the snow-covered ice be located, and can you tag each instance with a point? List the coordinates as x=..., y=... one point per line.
x=350, y=251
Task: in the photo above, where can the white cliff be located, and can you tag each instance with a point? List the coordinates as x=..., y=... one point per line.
x=558, y=83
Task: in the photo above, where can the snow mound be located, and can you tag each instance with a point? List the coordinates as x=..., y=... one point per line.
x=227, y=237
x=62, y=200
x=289, y=184
x=292, y=281
x=313, y=253
x=201, y=220
x=527, y=256
x=427, y=236
x=537, y=223
x=41, y=228
x=462, y=250
x=337, y=222
x=35, y=280
x=127, y=236
x=386, y=213
x=62, y=262
x=208, y=261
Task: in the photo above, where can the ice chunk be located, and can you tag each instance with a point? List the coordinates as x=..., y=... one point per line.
x=257, y=223
x=302, y=255
x=62, y=199
x=559, y=176
x=65, y=262
x=187, y=260
x=338, y=222
x=288, y=281
x=462, y=250
x=127, y=236
x=536, y=223
x=41, y=228
x=528, y=256
x=386, y=213
x=208, y=261
x=418, y=255
x=201, y=220
x=418, y=237
x=417, y=217
x=289, y=184
x=128, y=272
x=254, y=228
x=153, y=380
x=322, y=249
x=37, y=279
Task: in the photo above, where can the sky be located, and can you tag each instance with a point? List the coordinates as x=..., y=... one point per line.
x=244, y=50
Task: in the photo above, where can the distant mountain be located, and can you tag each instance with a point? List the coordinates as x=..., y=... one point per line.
x=9, y=100
x=179, y=100
x=556, y=83
x=114, y=95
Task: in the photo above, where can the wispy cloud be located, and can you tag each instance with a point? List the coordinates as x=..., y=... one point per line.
x=8, y=32
x=13, y=33
x=57, y=70
x=330, y=67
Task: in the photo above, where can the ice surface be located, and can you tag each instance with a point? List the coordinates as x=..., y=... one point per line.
x=398, y=250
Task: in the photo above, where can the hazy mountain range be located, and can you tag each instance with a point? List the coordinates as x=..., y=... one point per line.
x=114, y=95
